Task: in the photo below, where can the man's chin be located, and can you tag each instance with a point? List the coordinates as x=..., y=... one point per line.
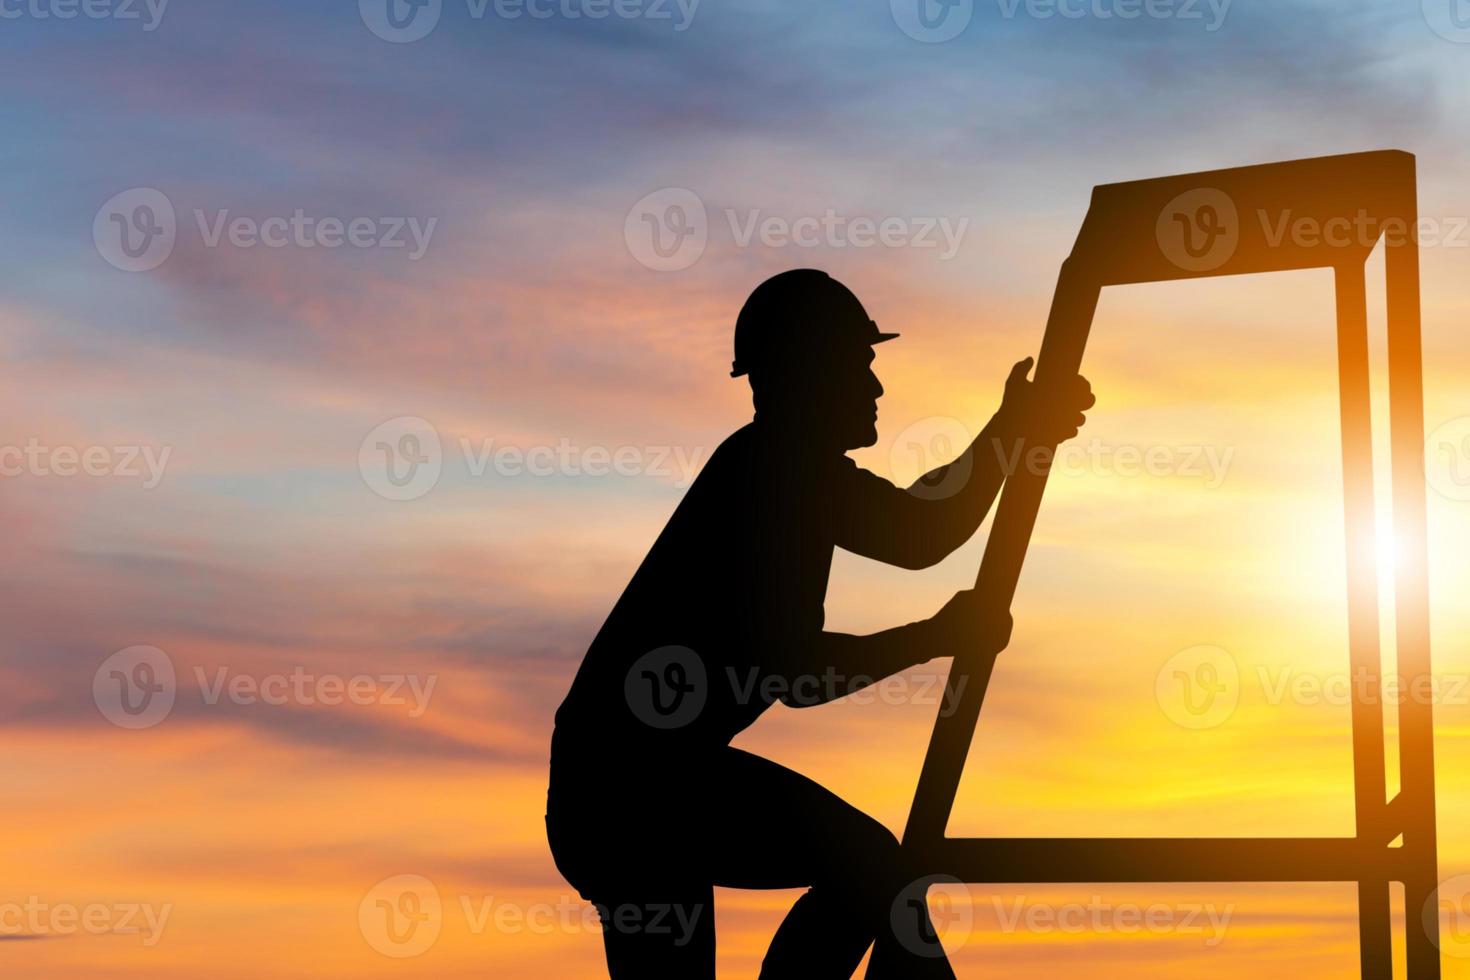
x=863, y=438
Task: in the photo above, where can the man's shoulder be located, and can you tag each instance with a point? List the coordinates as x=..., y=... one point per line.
x=751, y=446
x=755, y=459
x=736, y=454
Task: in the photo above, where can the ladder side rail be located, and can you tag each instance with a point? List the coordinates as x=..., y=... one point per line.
x=1068, y=324
x=1411, y=601
x=1375, y=927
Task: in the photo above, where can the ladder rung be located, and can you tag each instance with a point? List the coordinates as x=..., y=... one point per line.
x=997, y=860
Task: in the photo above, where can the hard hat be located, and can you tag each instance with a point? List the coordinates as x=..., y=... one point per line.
x=800, y=310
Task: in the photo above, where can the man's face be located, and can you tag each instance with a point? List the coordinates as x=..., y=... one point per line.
x=845, y=399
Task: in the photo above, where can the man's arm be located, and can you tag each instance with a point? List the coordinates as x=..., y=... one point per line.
x=918, y=526
x=841, y=664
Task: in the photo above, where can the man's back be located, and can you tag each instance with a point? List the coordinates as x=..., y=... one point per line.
x=743, y=561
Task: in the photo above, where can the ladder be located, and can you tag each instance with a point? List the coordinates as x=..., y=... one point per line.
x=1213, y=224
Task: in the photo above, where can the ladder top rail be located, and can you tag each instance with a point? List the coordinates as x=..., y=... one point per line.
x=1299, y=214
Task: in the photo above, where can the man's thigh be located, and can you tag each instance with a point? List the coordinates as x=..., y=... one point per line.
x=770, y=827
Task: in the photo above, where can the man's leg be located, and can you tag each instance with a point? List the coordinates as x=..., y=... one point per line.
x=912, y=940
x=778, y=829
x=658, y=914
x=668, y=934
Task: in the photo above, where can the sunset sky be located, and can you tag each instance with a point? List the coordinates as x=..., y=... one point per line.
x=363, y=687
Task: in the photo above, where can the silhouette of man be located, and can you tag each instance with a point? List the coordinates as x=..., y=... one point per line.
x=649, y=806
